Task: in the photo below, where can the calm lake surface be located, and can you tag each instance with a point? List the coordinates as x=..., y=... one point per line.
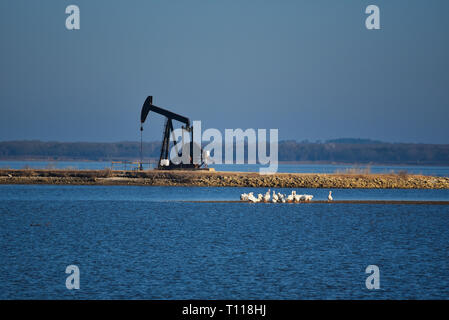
x=442, y=171
x=142, y=243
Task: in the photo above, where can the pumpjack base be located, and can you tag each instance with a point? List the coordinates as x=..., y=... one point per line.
x=192, y=167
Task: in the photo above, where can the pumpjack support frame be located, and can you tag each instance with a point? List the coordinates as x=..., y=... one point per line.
x=168, y=130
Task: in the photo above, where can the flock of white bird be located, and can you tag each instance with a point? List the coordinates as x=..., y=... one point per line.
x=279, y=197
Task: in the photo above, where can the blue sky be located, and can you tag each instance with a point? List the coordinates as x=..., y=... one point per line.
x=309, y=68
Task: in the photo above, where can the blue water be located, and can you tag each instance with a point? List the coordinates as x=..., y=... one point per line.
x=442, y=171
x=139, y=242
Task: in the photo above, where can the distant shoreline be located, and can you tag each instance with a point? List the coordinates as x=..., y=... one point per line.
x=346, y=151
x=221, y=179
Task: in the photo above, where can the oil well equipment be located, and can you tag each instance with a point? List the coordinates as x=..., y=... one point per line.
x=165, y=163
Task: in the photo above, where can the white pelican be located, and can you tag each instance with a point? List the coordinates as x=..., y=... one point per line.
x=329, y=197
x=308, y=197
x=275, y=197
x=244, y=197
x=251, y=198
x=266, y=197
x=281, y=197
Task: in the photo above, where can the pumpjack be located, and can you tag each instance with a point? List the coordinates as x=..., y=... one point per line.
x=165, y=163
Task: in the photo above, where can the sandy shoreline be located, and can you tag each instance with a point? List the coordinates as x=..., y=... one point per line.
x=221, y=179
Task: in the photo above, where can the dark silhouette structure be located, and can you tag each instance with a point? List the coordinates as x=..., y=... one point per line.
x=165, y=163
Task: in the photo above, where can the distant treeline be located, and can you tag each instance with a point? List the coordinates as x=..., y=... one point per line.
x=351, y=151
